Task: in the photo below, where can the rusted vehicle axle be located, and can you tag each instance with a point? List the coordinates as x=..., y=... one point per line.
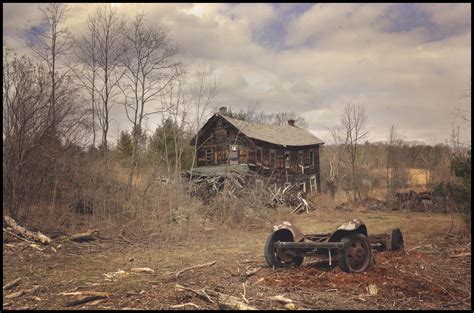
x=350, y=245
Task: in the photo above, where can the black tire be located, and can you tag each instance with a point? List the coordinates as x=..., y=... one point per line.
x=277, y=259
x=396, y=241
x=356, y=255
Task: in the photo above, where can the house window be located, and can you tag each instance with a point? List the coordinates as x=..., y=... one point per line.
x=234, y=154
x=259, y=156
x=287, y=159
x=300, y=157
x=272, y=158
x=208, y=156
x=312, y=183
x=311, y=157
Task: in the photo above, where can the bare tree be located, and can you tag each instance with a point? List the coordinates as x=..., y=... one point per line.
x=340, y=142
x=29, y=156
x=107, y=25
x=396, y=174
x=353, y=121
x=85, y=71
x=50, y=41
x=150, y=67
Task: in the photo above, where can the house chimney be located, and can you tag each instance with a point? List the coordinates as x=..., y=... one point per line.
x=291, y=122
x=223, y=110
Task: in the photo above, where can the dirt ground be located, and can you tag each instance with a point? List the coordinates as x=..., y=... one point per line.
x=425, y=276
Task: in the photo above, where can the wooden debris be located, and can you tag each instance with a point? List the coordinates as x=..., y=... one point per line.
x=281, y=299
x=38, y=236
x=194, y=267
x=86, y=293
x=372, y=290
x=229, y=302
x=15, y=294
x=142, y=270
x=252, y=272
x=87, y=236
x=460, y=255
x=290, y=306
x=83, y=300
x=11, y=284
x=178, y=306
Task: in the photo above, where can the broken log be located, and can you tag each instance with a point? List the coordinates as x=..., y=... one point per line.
x=38, y=236
x=193, y=267
x=87, y=236
x=83, y=300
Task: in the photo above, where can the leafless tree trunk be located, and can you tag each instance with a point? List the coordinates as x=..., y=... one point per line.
x=49, y=44
x=150, y=67
x=353, y=121
x=85, y=71
x=340, y=142
x=107, y=25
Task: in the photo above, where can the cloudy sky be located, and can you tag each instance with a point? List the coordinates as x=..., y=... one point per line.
x=408, y=64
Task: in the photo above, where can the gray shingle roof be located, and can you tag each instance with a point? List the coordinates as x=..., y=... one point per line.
x=284, y=135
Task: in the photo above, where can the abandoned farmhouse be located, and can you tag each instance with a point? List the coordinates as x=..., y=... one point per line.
x=283, y=154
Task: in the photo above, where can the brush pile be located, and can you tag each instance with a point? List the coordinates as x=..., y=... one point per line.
x=238, y=182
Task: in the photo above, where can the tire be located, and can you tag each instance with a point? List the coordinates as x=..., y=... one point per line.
x=356, y=255
x=278, y=260
x=396, y=241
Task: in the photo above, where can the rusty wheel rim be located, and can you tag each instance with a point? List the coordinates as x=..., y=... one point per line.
x=357, y=254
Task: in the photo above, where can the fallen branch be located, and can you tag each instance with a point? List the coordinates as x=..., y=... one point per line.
x=87, y=236
x=194, y=267
x=252, y=272
x=15, y=294
x=12, y=284
x=177, y=306
x=280, y=299
x=38, y=236
x=86, y=293
x=200, y=293
x=228, y=301
x=142, y=270
x=83, y=300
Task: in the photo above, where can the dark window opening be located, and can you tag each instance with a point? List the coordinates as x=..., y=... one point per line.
x=287, y=159
x=311, y=157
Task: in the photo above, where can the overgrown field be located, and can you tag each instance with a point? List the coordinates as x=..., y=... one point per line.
x=425, y=276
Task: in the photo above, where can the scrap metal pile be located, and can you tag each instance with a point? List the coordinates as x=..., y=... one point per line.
x=236, y=182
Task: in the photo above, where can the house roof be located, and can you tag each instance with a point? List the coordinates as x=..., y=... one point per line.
x=284, y=135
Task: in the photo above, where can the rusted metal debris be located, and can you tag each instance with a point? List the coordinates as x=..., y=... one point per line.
x=350, y=245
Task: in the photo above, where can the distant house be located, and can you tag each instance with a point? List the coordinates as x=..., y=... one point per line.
x=282, y=153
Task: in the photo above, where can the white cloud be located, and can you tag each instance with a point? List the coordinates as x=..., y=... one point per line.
x=413, y=75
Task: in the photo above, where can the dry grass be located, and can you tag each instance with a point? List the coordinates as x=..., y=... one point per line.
x=234, y=249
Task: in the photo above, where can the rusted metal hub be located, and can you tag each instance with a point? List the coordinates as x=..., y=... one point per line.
x=357, y=253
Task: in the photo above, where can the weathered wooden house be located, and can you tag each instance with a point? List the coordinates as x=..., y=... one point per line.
x=282, y=153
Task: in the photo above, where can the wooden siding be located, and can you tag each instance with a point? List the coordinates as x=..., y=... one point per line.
x=215, y=141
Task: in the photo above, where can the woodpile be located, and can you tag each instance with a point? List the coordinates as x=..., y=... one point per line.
x=240, y=184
